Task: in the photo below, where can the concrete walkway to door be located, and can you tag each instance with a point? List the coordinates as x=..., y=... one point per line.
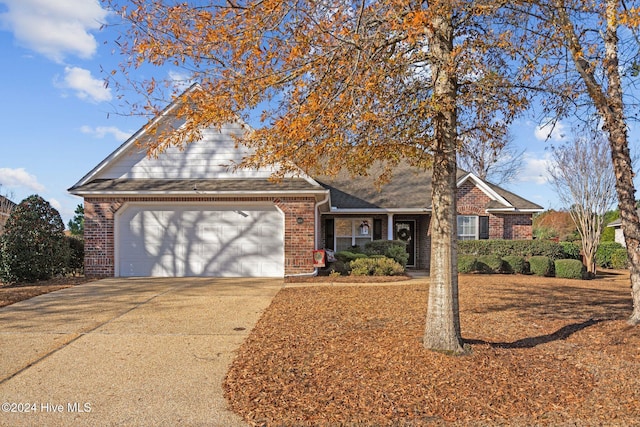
x=130, y=352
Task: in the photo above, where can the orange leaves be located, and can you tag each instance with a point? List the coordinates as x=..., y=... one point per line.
x=343, y=355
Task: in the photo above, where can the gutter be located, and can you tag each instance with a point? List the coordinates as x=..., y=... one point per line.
x=317, y=235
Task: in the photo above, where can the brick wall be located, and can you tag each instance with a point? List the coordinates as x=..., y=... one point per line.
x=99, y=215
x=473, y=201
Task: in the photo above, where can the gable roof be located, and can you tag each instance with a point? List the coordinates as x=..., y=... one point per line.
x=409, y=190
x=206, y=166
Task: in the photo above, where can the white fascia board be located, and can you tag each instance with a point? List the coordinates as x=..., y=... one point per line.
x=485, y=189
x=380, y=211
x=132, y=140
x=514, y=210
x=200, y=193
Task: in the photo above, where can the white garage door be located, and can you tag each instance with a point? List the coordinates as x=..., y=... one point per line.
x=197, y=240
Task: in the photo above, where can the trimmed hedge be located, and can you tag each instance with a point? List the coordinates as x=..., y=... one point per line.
x=467, y=264
x=571, y=250
x=394, y=249
x=502, y=248
x=490, y=264
x=376, y=267
x=541, y=265
x=516, y=264
x=570, y=269
x=605, y=252
x=619, y=258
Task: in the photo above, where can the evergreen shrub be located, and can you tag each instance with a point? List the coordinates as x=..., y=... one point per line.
x=376, y=267
x=541, y=265
x=33, y=245
x=604, y=252
x=515, y=264
x=394, y=249
x=490, y=264
x=570, y=269
x=619, y=259
x=467, y=264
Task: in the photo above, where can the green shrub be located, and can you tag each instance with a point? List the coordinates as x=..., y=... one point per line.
x=75, y=263
x=394, y=249
x=376, y=267
x=604, y=253
x=570, y=269
x=571, y=250
x=467, y=264
x=541, y=265
x=502, y=248
x=515, y=264
x=340, y=268
x=491, y=264
x=33, y=246
x=619, y=259
x=348, y=256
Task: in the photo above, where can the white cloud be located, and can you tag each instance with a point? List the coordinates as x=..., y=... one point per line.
x=56, y=204
x=551, y=131
x=85, y=85
x=535, y=168
x=102, y=131
x=14, y=178
x=55, y=28
x=180, y=80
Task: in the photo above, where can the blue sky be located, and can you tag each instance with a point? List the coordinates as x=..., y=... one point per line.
x=58, y=120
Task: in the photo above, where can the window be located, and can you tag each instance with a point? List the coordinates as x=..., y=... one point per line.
x=472, y=227
x=353, y=232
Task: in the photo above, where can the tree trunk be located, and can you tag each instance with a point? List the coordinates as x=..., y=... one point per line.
x=615, y=124
x=442, y=330
x=610, y=107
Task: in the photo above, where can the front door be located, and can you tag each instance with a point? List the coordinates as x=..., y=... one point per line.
x=406, y=231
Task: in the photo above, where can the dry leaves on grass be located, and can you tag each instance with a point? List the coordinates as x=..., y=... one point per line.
x=544, y=351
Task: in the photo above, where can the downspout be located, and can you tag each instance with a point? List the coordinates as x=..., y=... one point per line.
x=317, y=227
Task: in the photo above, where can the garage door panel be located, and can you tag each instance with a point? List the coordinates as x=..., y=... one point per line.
x=200, y=241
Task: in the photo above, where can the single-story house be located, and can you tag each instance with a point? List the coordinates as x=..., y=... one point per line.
x=619, y=232
x=189, y=213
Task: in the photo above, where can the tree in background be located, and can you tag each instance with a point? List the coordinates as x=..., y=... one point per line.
x=33, y=246
x=343, y=85
x=76, y=224
x=582, y=175
x=496, y=160
x=552, y=224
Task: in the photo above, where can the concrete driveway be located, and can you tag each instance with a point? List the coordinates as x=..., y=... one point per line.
x=128, y=352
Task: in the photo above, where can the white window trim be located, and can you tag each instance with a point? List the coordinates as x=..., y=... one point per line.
x=476, y=219
x=355, y=223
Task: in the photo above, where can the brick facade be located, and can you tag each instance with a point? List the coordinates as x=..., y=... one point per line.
x=299, y=227
x=100, y=240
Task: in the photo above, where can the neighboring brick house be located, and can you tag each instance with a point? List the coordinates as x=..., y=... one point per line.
x=6, y=207
x=190, y=213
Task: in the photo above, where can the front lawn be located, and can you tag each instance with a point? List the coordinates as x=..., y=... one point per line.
x=544, y=351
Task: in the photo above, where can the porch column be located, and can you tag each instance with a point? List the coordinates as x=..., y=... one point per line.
x=389, y=226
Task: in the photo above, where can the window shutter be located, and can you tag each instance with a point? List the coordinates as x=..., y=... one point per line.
x=329, y=233
x=377, y=229
x=483, y=224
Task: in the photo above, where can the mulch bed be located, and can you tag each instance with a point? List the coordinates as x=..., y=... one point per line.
x=543, y=351
x=10, y=294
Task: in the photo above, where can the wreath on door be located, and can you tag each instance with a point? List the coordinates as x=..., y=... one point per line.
x=403, y=234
